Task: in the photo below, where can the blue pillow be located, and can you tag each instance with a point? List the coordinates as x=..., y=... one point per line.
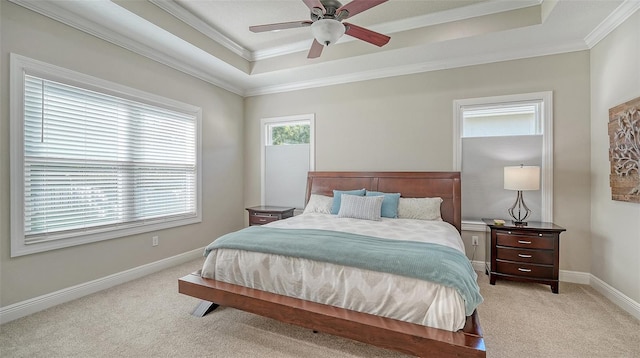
x=389, y=203
x=335, y=208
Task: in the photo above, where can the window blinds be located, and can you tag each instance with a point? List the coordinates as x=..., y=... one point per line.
x=93, y=161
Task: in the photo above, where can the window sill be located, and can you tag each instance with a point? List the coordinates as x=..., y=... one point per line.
x=473, y=225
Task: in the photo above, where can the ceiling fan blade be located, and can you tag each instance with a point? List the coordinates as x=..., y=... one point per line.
x=280, y=26
x=358, y=6
x=316, y=49
x=367, y=35
x=311, y=4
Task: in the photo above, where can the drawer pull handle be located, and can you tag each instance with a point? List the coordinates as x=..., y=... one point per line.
x=540, y=235
x=523, y=242
x=524, y=269
x=509, y=232
x=262, y=220
x=525, y=256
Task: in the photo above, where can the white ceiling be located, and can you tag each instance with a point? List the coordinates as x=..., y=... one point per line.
x=217, y=13
x=211, y=39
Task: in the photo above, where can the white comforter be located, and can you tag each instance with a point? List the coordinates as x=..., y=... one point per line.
x=383, y=294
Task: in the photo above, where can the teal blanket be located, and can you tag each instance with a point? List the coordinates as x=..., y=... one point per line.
x=425, y=261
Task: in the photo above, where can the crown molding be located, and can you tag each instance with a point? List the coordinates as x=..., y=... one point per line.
x=615, y=19
x=191, y=59
x=284, y=50
x=53, y=10
x=195, y=22
x=393, y=71
x=458, y=14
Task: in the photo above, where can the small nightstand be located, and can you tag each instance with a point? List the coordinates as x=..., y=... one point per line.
x=260, y=215
x=528, y=253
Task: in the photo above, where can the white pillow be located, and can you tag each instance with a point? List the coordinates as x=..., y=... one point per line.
x=420, y=208
x=319, y=204
x=361, y=207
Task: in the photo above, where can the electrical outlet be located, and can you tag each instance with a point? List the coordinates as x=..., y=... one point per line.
x=154, y=241
x=474, y=240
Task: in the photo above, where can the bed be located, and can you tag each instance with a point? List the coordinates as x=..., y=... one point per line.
x=415, y=338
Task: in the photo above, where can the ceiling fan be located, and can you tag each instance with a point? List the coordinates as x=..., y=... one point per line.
x=327, y=26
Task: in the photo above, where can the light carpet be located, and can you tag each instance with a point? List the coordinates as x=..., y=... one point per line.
x=149, y=318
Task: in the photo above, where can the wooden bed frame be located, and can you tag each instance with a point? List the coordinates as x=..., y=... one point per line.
x=383, y=332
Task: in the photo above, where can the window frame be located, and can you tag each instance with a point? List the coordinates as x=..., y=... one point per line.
x=500, y=110
x=265, y=137
x=276, y=123
x=546, y=182
x=21, y=66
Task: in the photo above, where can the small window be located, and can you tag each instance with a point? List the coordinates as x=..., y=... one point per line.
x=503, y=120
x=287, y=157
x=289, y=133
x=95, y=160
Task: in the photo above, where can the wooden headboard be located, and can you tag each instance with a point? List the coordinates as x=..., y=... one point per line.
x=410, y=184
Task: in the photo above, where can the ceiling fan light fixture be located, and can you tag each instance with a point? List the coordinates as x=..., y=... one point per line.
x=327, y=31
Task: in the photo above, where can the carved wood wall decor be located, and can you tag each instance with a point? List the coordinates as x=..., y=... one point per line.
x=624, y=151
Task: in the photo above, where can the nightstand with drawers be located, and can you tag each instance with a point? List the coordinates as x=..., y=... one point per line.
x=260, y=215
x=527, y=253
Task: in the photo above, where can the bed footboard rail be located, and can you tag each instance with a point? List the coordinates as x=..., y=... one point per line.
x=382, y=332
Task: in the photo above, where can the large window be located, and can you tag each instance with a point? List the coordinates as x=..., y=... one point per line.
x=494, y=132
x=287, y=156
x=94, y=160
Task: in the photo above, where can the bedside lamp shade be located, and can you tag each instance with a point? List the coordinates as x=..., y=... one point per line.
x=521, y=178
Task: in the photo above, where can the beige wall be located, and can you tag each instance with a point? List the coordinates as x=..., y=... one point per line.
x=615, y=225
x=32, y=35
x=400, y=123
x=405, y=123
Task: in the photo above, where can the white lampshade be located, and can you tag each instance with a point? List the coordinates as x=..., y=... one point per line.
x=522, y=178
x=327, y=31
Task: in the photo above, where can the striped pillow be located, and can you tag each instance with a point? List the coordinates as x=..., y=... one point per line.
x=361, y=207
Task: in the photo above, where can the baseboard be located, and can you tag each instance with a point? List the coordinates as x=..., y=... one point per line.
x=25, y=308
x=33, y=305
x=478, y=265
x=617, y=297
x=584, y=278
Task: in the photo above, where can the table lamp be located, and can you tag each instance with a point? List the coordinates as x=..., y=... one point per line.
x=521, y=178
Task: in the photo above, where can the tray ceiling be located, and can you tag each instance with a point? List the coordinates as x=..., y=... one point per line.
x=211, y=39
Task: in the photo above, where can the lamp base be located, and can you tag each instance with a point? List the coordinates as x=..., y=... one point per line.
x=519, y=210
